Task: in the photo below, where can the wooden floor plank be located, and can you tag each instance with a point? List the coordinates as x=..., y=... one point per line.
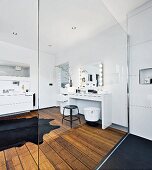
x=12, y=159
x=51, y=155
x=26, y=158
x=3, y=167
x=96, y=157
x=100, y=145
x=65, y=155
x=10, y=153
x=63, y=166
x=77, y=153
x=99, y=138
x=18, y=167
x=46, y=165
x=78, y=165
x=28, y=162
x=2, y=159
x=81, y=147
x=87, y=144
x=109, y=133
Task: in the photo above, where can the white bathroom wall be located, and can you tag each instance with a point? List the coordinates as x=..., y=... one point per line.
x=14, y=53
x=110, y=48
x=47, y=92
x=140, y=31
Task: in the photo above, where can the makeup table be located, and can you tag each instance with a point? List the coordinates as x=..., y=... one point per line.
x=102, y=101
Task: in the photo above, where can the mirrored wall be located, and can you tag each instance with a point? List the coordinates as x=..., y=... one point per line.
x=140, y=70
x=18, y=84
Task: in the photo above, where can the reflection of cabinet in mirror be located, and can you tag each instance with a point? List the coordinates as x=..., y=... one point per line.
x=15, y=103
x=15, y=88
x=64, y=77
x=90, y=77
x=14, y=77
x=14, y=69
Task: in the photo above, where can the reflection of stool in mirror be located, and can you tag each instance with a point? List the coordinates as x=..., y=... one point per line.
x=92, y=115
x=71, y=108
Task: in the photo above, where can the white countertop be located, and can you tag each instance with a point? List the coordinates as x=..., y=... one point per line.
x=17, y=94
x=89, y=96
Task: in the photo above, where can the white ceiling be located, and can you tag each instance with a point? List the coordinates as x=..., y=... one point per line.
x=57, y=17
x=19, y=16
x=120, y=8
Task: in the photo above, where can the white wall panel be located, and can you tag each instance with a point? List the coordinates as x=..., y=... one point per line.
x=140, y=27
x=140, y=95
x=141, y=121
x=47, y=93
x=140, y=31
x=140, y=57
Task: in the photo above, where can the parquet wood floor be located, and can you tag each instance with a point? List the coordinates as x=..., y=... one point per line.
x=81, y=147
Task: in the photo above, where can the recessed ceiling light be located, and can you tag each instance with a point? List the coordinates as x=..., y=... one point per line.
x=74, y=28
x=50, y=45
x=14, y=33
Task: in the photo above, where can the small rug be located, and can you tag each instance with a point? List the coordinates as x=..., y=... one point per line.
x=16, y=132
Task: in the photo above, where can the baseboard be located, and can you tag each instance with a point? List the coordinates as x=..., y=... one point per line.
x=14, y=114
x=49, y=107
x=122, y=128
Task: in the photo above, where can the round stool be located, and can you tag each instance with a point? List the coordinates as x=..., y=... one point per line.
x=71, y=108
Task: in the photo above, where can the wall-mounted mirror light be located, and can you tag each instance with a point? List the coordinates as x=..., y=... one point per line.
x=91, y=75
x=101, y=74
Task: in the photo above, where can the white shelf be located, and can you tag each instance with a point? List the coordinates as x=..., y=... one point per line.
x=13, y=78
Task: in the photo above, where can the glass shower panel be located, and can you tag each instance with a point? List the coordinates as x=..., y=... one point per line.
x=82, y=83
x=140, y=70
x=18, y=84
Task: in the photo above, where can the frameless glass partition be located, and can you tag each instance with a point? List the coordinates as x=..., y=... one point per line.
x=140, y=70
x=18, y=84
x=82, y=83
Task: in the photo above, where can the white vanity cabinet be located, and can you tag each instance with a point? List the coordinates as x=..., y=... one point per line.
x=13, y=99
x=14, y=103
x=102, y=101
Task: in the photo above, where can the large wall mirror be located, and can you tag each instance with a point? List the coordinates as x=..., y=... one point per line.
x=64, y=74
x=91, y=76
x=18, y=84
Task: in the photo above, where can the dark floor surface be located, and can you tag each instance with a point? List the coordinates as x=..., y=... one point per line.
x=135, y=153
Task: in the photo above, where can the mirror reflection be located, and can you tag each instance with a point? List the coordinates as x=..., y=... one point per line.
x=63, y=70
x=18, y=84
x=91, y=76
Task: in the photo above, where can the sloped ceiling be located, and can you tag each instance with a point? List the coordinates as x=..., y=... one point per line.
x=120, y=8
x=57, y=17
x=88, y=16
